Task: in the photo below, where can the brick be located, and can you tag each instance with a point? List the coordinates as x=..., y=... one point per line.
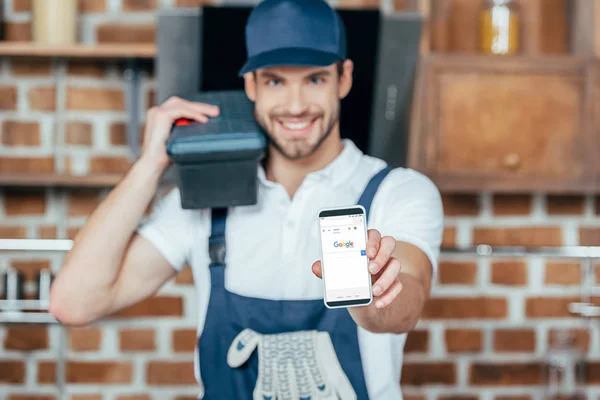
x=22, y=6
x=30, y=268
x=157, y=306
x=185, y=277
x=42, y=98
x=26, y=338
x=184, y=340
x=458, y=397
x=26, y=164
x=589, y=236
x=12, y=371
x=358, y=4
x=565, y=205
x=95, y=99
x=413, y=397
x=137, y=340
x=511, y=204
x=463, y=340
x=21, y=133
x=449, y=237
x=92, y=6
x=529, y=237
x=591, y=372
x=514, y=340
x=170, y=373
x=48, y=232
x=509, y=273
x=110, y=165
x=118, y=134
x=78, y=133
x=72, y=232
x=8, y=98
x=578, y=337
x=99, y=372
x=134, y=397
x=506, y=374
x=421, y=374
x=30, y=397
x=417, y=341
x=13, y=232
x=458, y=273
x=460, y=204
x=191, y=3
x=25, y=67
x=597, y=205
x=82, y=202
x=123, y=33
x=17, y=31
x=139, y=5
x=85, y=338
x=46, y=372
x=25, y=202
x=465, y=308
x=512, y=398
x=562, y=273
x=150, y=98
x=549, y=307
x=81, y=68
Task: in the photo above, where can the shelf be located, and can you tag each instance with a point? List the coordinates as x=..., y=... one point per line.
x=19, y=317
x=37, y=180
x=95, y=51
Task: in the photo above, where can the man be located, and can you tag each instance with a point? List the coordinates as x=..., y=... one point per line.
x=269, y=294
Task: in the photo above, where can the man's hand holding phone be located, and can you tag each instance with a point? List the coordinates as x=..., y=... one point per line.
x=384, y=268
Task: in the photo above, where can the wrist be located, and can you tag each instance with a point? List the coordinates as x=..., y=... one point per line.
x=149, y=166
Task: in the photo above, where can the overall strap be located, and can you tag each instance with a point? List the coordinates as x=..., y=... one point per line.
x=369, y=193
x=216, y=241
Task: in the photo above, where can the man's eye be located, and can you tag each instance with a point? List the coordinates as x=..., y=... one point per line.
x=273, y=82
x=316, y=80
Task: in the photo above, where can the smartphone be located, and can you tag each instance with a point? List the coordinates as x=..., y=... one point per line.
x=344, y=262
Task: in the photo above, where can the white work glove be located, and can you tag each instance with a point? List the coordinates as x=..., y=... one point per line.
x=292, y=366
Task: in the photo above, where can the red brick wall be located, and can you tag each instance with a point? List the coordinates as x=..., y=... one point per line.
x=484, y=333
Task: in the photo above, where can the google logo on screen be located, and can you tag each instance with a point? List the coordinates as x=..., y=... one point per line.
x=348, y=245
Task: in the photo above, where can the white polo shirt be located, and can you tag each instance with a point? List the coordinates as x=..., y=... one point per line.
x=272, y=245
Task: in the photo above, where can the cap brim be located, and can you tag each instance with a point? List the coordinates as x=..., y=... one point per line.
x=293, y=56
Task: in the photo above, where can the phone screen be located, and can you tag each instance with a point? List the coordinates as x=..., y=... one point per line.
x=344, y=260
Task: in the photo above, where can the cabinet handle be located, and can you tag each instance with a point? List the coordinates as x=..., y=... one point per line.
x=511, y=160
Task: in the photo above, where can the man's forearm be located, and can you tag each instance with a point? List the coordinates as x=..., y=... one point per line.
x=401, y=315
x=92, y=265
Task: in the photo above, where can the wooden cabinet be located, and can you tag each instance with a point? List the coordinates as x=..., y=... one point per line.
x=506, y=123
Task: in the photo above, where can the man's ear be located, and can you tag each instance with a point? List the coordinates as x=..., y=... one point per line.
x=346, y=78
x=250, y=85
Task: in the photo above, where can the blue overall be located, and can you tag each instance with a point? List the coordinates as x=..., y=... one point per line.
x=228, y=314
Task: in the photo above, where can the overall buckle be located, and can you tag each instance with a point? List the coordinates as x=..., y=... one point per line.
x=216, y=249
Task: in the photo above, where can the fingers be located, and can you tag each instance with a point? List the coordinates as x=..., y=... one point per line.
x=388, y=277
x=387, y=245
x=374, y=237
x=177, y=107
x=316, y=269
x=390, y=295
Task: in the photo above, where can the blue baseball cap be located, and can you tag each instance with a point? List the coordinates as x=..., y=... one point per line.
x=293, y=32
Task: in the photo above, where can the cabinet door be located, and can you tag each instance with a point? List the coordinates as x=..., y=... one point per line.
x=506, y=124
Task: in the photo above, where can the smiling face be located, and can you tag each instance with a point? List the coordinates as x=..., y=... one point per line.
x=298, y=107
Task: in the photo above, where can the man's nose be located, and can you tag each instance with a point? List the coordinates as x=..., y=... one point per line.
x=296, y=103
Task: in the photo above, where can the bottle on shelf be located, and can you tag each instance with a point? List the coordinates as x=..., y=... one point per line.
x=500, y=27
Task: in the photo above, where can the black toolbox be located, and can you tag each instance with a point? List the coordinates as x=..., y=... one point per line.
x=216, y=162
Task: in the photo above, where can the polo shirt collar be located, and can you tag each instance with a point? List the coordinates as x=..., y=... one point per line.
x=334, y=173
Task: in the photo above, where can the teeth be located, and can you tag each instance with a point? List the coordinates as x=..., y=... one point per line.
x=296, y=125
